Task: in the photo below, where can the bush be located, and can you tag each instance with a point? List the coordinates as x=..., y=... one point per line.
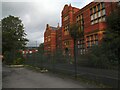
x=13, y=58
x=82, y=61
x=18, y=61
x=102, y=57
x=99, y=57
x=8, y=57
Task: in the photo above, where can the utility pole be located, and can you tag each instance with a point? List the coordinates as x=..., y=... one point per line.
x=36, y=44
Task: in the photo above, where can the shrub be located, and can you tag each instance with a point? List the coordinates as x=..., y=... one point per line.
x=18, y=61
x=13, y=58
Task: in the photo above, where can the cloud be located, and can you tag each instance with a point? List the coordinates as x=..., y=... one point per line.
x=35, y=14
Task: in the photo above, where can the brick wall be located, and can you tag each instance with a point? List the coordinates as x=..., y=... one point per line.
x=92, y=20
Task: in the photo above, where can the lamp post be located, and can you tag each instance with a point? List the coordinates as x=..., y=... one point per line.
x=75, y=61
x=36, y=44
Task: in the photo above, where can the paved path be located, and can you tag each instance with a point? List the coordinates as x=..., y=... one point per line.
x=25, y=78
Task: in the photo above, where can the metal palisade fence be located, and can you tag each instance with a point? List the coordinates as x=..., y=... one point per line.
x=65, y=64
x=55, y=63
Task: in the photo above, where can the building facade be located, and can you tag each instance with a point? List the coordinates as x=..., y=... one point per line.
x=67, y=19
x=92, y=22
x=50, y=39
x=59, y=38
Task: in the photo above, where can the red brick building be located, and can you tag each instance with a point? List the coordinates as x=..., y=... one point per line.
x=92, y=21
x=67, y=18
x=59, y=38
x=50, y=39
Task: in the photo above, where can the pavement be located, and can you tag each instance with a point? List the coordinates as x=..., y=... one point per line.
x=26, y=78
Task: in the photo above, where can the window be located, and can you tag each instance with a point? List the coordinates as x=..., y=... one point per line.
x=81, y=51
x=84, y=51
x=81, y=46
x=95, y=15
x=92, y=43
x=99, y=14
x=96, y=21
x=91, y=11
x=89, y=38
x=66, y=18
x=96, y=36
x=81, y=16
x=96, y=42
x=103, y=12
x=68, y=43
x=103, y=5
x=95, y=9
x=64, y=43
x=92, y=22
x=98, y=7
x=66, y=30
x=99, y=20
x=88, y=44
x=77, y=18
x=91, y=17
x=81, y=22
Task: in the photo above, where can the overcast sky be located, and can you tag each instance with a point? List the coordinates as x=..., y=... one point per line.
x=35, y=14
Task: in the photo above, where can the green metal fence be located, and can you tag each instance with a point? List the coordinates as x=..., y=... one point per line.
x=55, y=63
x=59, y=63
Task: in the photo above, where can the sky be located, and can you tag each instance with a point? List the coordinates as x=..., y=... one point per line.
x=35, y=14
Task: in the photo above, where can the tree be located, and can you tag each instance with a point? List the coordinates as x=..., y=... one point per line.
x=112, y=38
x=75, y=33
x=13, y=34
x=41, y=48
x=107, y=54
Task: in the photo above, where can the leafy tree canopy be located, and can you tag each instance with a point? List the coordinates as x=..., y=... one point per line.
x=112, y=39
x=75, y=31
x=41, y=48
x=13, y=33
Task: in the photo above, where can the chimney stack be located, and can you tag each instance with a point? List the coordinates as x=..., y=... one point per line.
x=47, y=25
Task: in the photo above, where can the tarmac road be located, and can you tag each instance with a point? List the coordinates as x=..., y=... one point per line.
x=26, y=78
